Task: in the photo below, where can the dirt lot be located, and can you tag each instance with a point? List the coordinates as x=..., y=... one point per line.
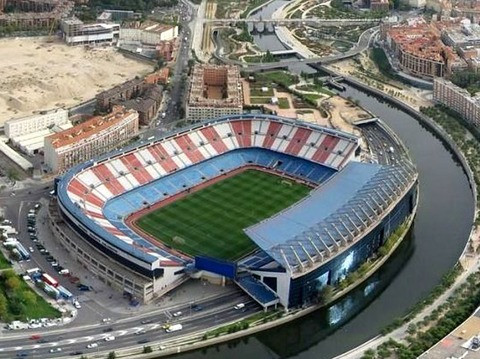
x=36, y=75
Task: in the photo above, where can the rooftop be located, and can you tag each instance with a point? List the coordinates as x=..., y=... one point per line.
x=89, y=128
x=315, y=226
x=215, y=86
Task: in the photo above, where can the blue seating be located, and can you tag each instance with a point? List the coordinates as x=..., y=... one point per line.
x=257, y=290
x=173, y=183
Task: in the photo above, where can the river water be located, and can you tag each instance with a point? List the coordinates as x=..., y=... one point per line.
x=434, y=243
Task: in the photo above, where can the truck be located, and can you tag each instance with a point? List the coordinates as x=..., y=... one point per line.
x=47, y=278
x=174, y=328
x=9, y=231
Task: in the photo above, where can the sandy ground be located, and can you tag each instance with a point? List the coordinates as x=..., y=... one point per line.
x=36, y=75
x=344, y=114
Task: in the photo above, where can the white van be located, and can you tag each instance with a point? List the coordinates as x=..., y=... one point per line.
x=174, y=328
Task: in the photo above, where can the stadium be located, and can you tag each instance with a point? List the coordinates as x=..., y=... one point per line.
x=280, y=207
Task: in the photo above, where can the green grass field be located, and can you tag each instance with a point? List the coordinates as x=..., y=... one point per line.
x=211, y=221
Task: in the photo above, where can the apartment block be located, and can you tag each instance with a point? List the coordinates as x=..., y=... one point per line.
x=458, y=99
x=32, y=14
x=214, y=91
x=419, y=51
x=43, y=120
x=90, y=139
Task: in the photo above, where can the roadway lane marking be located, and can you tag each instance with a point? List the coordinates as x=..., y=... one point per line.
x=87, y=339
x=154, y=326
x=122, y=332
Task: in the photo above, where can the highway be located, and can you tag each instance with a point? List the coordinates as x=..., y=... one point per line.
x=127, y=332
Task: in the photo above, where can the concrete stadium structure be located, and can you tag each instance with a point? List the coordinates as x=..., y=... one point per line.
x=351, y=211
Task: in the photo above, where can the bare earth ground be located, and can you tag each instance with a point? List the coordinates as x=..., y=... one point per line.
x=36, y=75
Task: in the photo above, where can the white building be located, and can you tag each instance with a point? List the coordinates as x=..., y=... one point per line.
x=45, y=119
x=149, y=35
x=458, y=99
x=75, y=32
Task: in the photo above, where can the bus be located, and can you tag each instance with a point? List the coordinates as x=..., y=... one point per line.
x=23, y=252
x=47, y=278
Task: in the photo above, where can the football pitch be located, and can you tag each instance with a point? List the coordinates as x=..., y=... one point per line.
x=211, y=221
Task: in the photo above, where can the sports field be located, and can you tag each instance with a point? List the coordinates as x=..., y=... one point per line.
x=211, y=220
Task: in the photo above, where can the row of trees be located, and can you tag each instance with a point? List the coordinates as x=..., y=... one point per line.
x=15, y=297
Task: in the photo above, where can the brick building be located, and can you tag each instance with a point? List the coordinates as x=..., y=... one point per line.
x=214, y=91
x=90, y=139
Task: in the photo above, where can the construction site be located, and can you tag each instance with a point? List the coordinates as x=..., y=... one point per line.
x=36, y=74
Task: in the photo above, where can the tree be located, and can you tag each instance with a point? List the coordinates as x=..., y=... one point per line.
x=160, y=63
x=325, y=295
x=3, y=307
x=112, y=355
x=147, y=349
x=29, y=298
x=12, y=283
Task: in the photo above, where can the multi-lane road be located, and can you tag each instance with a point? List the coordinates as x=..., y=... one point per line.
x=127, y=332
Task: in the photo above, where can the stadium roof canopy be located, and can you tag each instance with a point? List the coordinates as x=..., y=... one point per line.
x=331, y=216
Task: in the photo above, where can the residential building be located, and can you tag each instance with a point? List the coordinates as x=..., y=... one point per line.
x=458, y=99
x=75, y=32
x=123, y=92
x=34, y=14
x=90, y=139
x=214, y=91
x=147, y=105
x=43, y=120
x=418, y=50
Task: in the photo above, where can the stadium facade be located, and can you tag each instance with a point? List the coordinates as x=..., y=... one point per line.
x=351, y=211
